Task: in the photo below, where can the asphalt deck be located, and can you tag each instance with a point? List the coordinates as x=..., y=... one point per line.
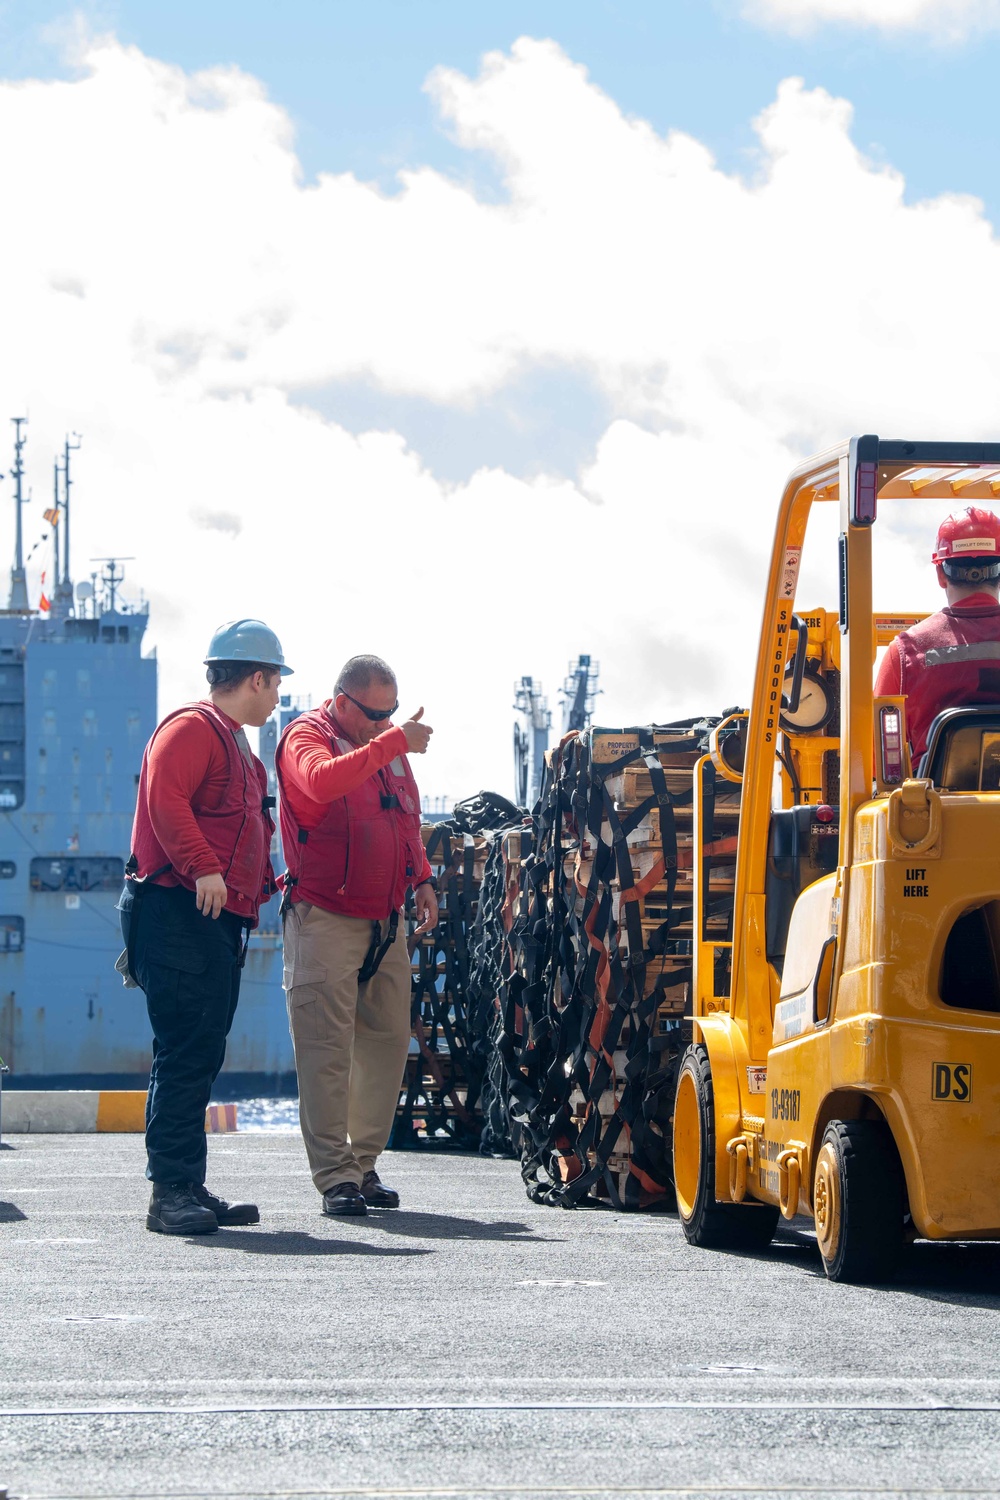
x=468, y=1344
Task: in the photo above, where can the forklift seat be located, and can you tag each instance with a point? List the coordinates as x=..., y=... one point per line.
x=963, y=750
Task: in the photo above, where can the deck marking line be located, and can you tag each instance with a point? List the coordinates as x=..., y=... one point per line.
x=525, y=1489
x=622, y=1407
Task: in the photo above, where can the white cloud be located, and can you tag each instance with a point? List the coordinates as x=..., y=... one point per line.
x=172, y=287
x=954, y=20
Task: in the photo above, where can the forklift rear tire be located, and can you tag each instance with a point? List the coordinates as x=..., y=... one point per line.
x=859, y=1201
x=707, y=1223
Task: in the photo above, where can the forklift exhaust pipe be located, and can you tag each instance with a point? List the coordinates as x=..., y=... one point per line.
x=738, y=1162
x=789, y=1183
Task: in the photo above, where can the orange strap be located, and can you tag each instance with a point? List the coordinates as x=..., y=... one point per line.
x=645, y=885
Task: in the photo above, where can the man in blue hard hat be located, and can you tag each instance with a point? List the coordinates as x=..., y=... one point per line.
x=199, y=870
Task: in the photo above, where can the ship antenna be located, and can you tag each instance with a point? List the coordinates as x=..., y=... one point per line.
x=18, y=601
x=55, y=529
x=111, y=577
x=68, y=448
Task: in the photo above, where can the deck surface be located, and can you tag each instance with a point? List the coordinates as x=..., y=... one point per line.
x=469, y=1344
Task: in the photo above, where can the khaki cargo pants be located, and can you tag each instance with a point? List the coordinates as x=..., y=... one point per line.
x=350, y=1040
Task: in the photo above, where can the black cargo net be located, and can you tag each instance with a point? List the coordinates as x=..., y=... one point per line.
x=495, y=953
x=553, y=997
x=596, y=1028
x=439, y=1103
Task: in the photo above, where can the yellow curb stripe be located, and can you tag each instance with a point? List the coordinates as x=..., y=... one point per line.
x=121, y=1111
x=81, y=1111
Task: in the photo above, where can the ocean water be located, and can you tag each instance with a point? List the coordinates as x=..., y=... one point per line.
x=276, y=1116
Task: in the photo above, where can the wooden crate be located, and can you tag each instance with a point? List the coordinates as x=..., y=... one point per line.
x=610, y=745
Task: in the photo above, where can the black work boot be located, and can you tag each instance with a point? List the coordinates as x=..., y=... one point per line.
x=227, y=1214
x=375, y=1191
x=345, y=1198
x=174, y=1209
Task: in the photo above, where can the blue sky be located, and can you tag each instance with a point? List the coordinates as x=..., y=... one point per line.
x=350, y=72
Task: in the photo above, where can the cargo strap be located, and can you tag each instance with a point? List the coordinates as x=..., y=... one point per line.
x=289, y=882
x=379, y=947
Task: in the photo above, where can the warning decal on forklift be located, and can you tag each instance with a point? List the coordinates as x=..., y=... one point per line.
x=790, y=576
x=952, y=1081
x=756, y=1080
x=792, y=1017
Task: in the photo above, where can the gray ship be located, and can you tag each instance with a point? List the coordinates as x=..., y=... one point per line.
x=77, y=705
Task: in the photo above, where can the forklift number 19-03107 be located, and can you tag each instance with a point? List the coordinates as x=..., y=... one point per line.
x=785, y=1104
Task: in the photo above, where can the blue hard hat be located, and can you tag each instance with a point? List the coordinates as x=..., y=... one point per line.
x=247, y=640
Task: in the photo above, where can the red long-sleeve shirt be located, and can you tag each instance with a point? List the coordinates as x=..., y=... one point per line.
x=312, y=778
x=187, y=763
x=889, y=680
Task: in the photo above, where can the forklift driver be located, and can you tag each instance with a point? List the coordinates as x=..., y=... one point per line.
x=952, y=657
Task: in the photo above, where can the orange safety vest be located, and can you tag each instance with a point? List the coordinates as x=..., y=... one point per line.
x=238, y=831
x=948, y=659
x=366, y=851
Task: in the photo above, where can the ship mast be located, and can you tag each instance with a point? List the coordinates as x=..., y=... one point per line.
x=18, y=601
x=62, y=600
x=55, y=530
x=68, y=448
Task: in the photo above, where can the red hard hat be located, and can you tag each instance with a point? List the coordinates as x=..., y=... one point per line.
x=967, y=534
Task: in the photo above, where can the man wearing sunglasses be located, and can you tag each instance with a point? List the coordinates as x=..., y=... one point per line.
x=350, y=827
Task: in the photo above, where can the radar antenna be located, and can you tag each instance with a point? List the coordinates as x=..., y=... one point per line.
x=112, y=577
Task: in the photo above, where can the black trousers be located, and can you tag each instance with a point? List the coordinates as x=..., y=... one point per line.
x=189, y=967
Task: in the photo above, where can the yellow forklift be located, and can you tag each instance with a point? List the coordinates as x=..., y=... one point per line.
x=846, y=1054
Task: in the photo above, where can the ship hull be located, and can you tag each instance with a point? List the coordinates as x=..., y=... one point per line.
x=77, y=706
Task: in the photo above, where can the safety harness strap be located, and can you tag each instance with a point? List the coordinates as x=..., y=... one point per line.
x=379, y=947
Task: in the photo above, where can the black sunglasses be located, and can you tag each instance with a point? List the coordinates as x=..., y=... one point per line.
x=375, y=714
